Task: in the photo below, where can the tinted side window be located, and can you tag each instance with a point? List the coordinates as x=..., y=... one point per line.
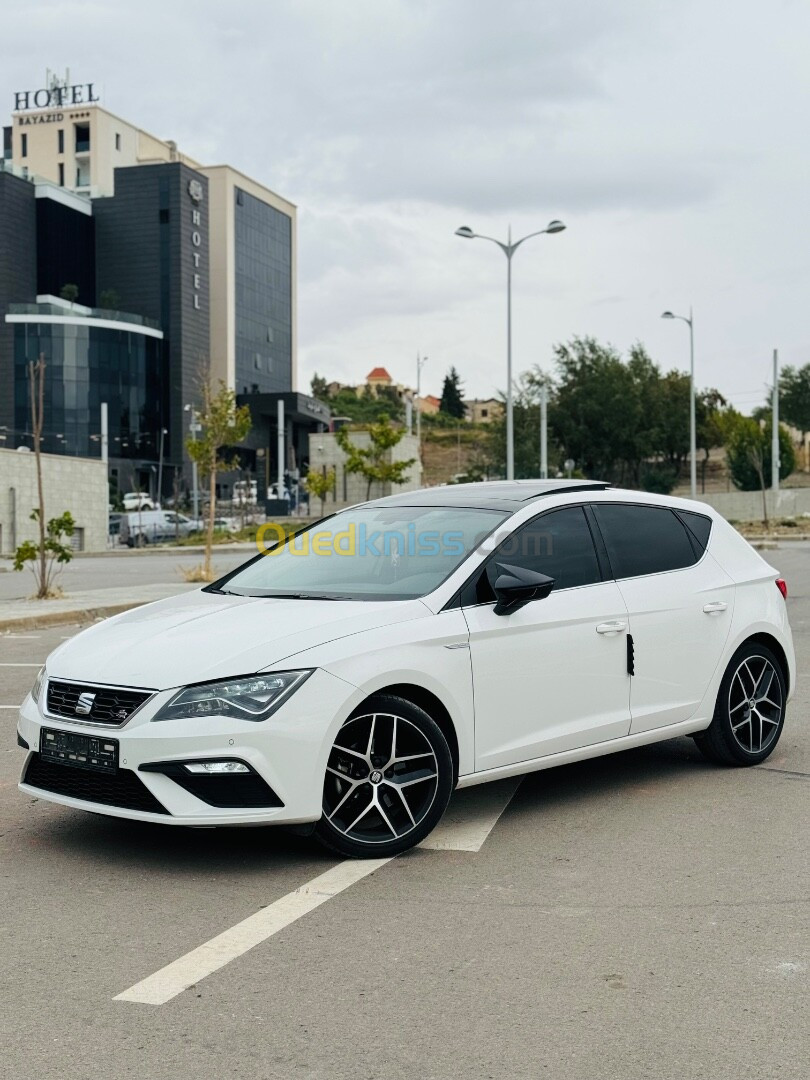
x=558, y=544
x=643, y=539
x=699, y=527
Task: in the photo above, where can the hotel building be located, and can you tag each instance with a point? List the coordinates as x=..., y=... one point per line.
x=135, y=269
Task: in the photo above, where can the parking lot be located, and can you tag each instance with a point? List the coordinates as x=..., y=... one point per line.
x=640, y=915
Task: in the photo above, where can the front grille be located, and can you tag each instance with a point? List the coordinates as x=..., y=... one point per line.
x=110, y=705
x=122, y=789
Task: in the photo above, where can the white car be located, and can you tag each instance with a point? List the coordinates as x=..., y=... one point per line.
x=352, y=679
x=137, y=500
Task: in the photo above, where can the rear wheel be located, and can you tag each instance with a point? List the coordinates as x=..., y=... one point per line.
x=750, y=710
x=388, y=780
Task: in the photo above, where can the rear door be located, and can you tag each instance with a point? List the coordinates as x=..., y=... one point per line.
x=680, y=603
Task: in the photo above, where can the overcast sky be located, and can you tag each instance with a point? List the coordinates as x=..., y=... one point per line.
x=670, y=135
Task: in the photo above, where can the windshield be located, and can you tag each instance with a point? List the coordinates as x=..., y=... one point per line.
x=373, y=553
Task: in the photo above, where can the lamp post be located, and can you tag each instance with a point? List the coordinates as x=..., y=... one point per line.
x=163, y=431
x=692, y=425
x=420, y=363
x=194, y=427
x=509, y=248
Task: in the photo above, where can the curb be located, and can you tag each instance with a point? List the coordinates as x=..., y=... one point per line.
x=62, y=618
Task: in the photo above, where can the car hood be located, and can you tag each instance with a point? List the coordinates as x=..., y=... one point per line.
x=199, y=635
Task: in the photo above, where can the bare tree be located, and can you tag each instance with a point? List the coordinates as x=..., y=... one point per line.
x=36, y=378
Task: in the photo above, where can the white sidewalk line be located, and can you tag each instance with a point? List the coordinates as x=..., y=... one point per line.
x=178, y=976
x=471, y=816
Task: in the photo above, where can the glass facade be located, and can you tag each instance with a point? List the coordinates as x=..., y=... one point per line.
x=263, y=261
x=84, y=366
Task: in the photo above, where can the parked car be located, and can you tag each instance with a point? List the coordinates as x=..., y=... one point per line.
x=153, y=527
x=138, y=500
x=414, y=644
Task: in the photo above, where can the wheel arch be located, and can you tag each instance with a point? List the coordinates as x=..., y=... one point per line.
x=772, y=643
x=433, y=706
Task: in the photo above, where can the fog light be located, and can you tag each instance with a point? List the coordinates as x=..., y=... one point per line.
x=217, y=767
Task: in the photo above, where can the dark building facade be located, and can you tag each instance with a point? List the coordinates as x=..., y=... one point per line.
x=152, y=252
x=263, y=267
x=18, y=278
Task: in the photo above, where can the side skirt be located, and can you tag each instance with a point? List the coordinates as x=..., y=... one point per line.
x=582, y=753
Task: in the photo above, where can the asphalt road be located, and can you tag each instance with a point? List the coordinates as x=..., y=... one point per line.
x=640, y=916
x=119, y=570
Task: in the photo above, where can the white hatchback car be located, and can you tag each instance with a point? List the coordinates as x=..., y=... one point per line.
x=349, y=680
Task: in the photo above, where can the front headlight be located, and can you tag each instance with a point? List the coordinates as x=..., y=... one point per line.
x=251, y=697
x=36, y=689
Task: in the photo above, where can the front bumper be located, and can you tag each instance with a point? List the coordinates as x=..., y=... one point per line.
x=289, y=751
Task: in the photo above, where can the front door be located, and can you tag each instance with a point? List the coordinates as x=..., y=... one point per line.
x=551, y=676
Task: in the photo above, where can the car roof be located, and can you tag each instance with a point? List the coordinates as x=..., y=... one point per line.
x=505, y=495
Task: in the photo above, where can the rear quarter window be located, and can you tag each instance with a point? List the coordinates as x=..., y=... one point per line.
x=699, y=527
x=644, y=539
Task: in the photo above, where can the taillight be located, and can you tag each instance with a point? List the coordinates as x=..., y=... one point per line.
x=781, y=585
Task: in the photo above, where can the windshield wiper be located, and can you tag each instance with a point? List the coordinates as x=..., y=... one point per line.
x=288, y=596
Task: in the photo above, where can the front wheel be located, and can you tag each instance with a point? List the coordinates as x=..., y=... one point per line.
x=750, y=710
x=388, y=780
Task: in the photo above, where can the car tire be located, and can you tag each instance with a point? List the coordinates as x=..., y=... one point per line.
x=388, y=780
x=750, y=709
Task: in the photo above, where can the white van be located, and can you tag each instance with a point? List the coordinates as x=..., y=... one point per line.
x=153, y=527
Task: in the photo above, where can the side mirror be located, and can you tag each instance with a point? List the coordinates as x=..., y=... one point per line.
x=516, y=586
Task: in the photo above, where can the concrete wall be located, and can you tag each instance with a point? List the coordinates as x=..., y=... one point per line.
x=747, y=505
x=351, y=488
x=69, y=483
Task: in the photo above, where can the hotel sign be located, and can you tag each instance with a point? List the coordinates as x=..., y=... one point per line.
x=57, y=96
x=196, y=192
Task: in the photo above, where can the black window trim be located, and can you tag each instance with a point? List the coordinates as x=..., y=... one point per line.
x=693, y=541
x=457, y=600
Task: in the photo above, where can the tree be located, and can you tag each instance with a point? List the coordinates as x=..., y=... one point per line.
x=70, y=293
x=374, y=462
x=224, y=424
x=366, y=408
x=109, y=300
x=320, y=484
x=48, y=556
x=710, y=429
x=748, y=452
x=452, y=402
x=598, y=414
x=318, y=387
x=794, y=397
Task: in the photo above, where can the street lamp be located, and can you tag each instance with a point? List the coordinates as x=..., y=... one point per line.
x=692, y=425
x=194, y=427
x=420, y=363
x=509, y=248
x=163, y=431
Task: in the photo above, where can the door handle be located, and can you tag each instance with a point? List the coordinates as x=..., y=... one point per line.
x=615, y=627
x=715, y=606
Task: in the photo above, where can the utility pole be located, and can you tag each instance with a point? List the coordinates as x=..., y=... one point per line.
x=420, y=363
x=280, y=445
x=775, y=432
x=543, y=432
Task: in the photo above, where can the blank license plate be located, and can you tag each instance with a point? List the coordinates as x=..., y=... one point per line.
x=80, y=751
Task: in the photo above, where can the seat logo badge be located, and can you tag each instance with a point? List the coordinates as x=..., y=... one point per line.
x=376, y=776
x=85, y=704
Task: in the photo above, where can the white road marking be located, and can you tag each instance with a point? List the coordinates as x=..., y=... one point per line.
x=471, y=816
x=9, y=706
x=20, y=665
x=178, y=976
x=23, y=637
